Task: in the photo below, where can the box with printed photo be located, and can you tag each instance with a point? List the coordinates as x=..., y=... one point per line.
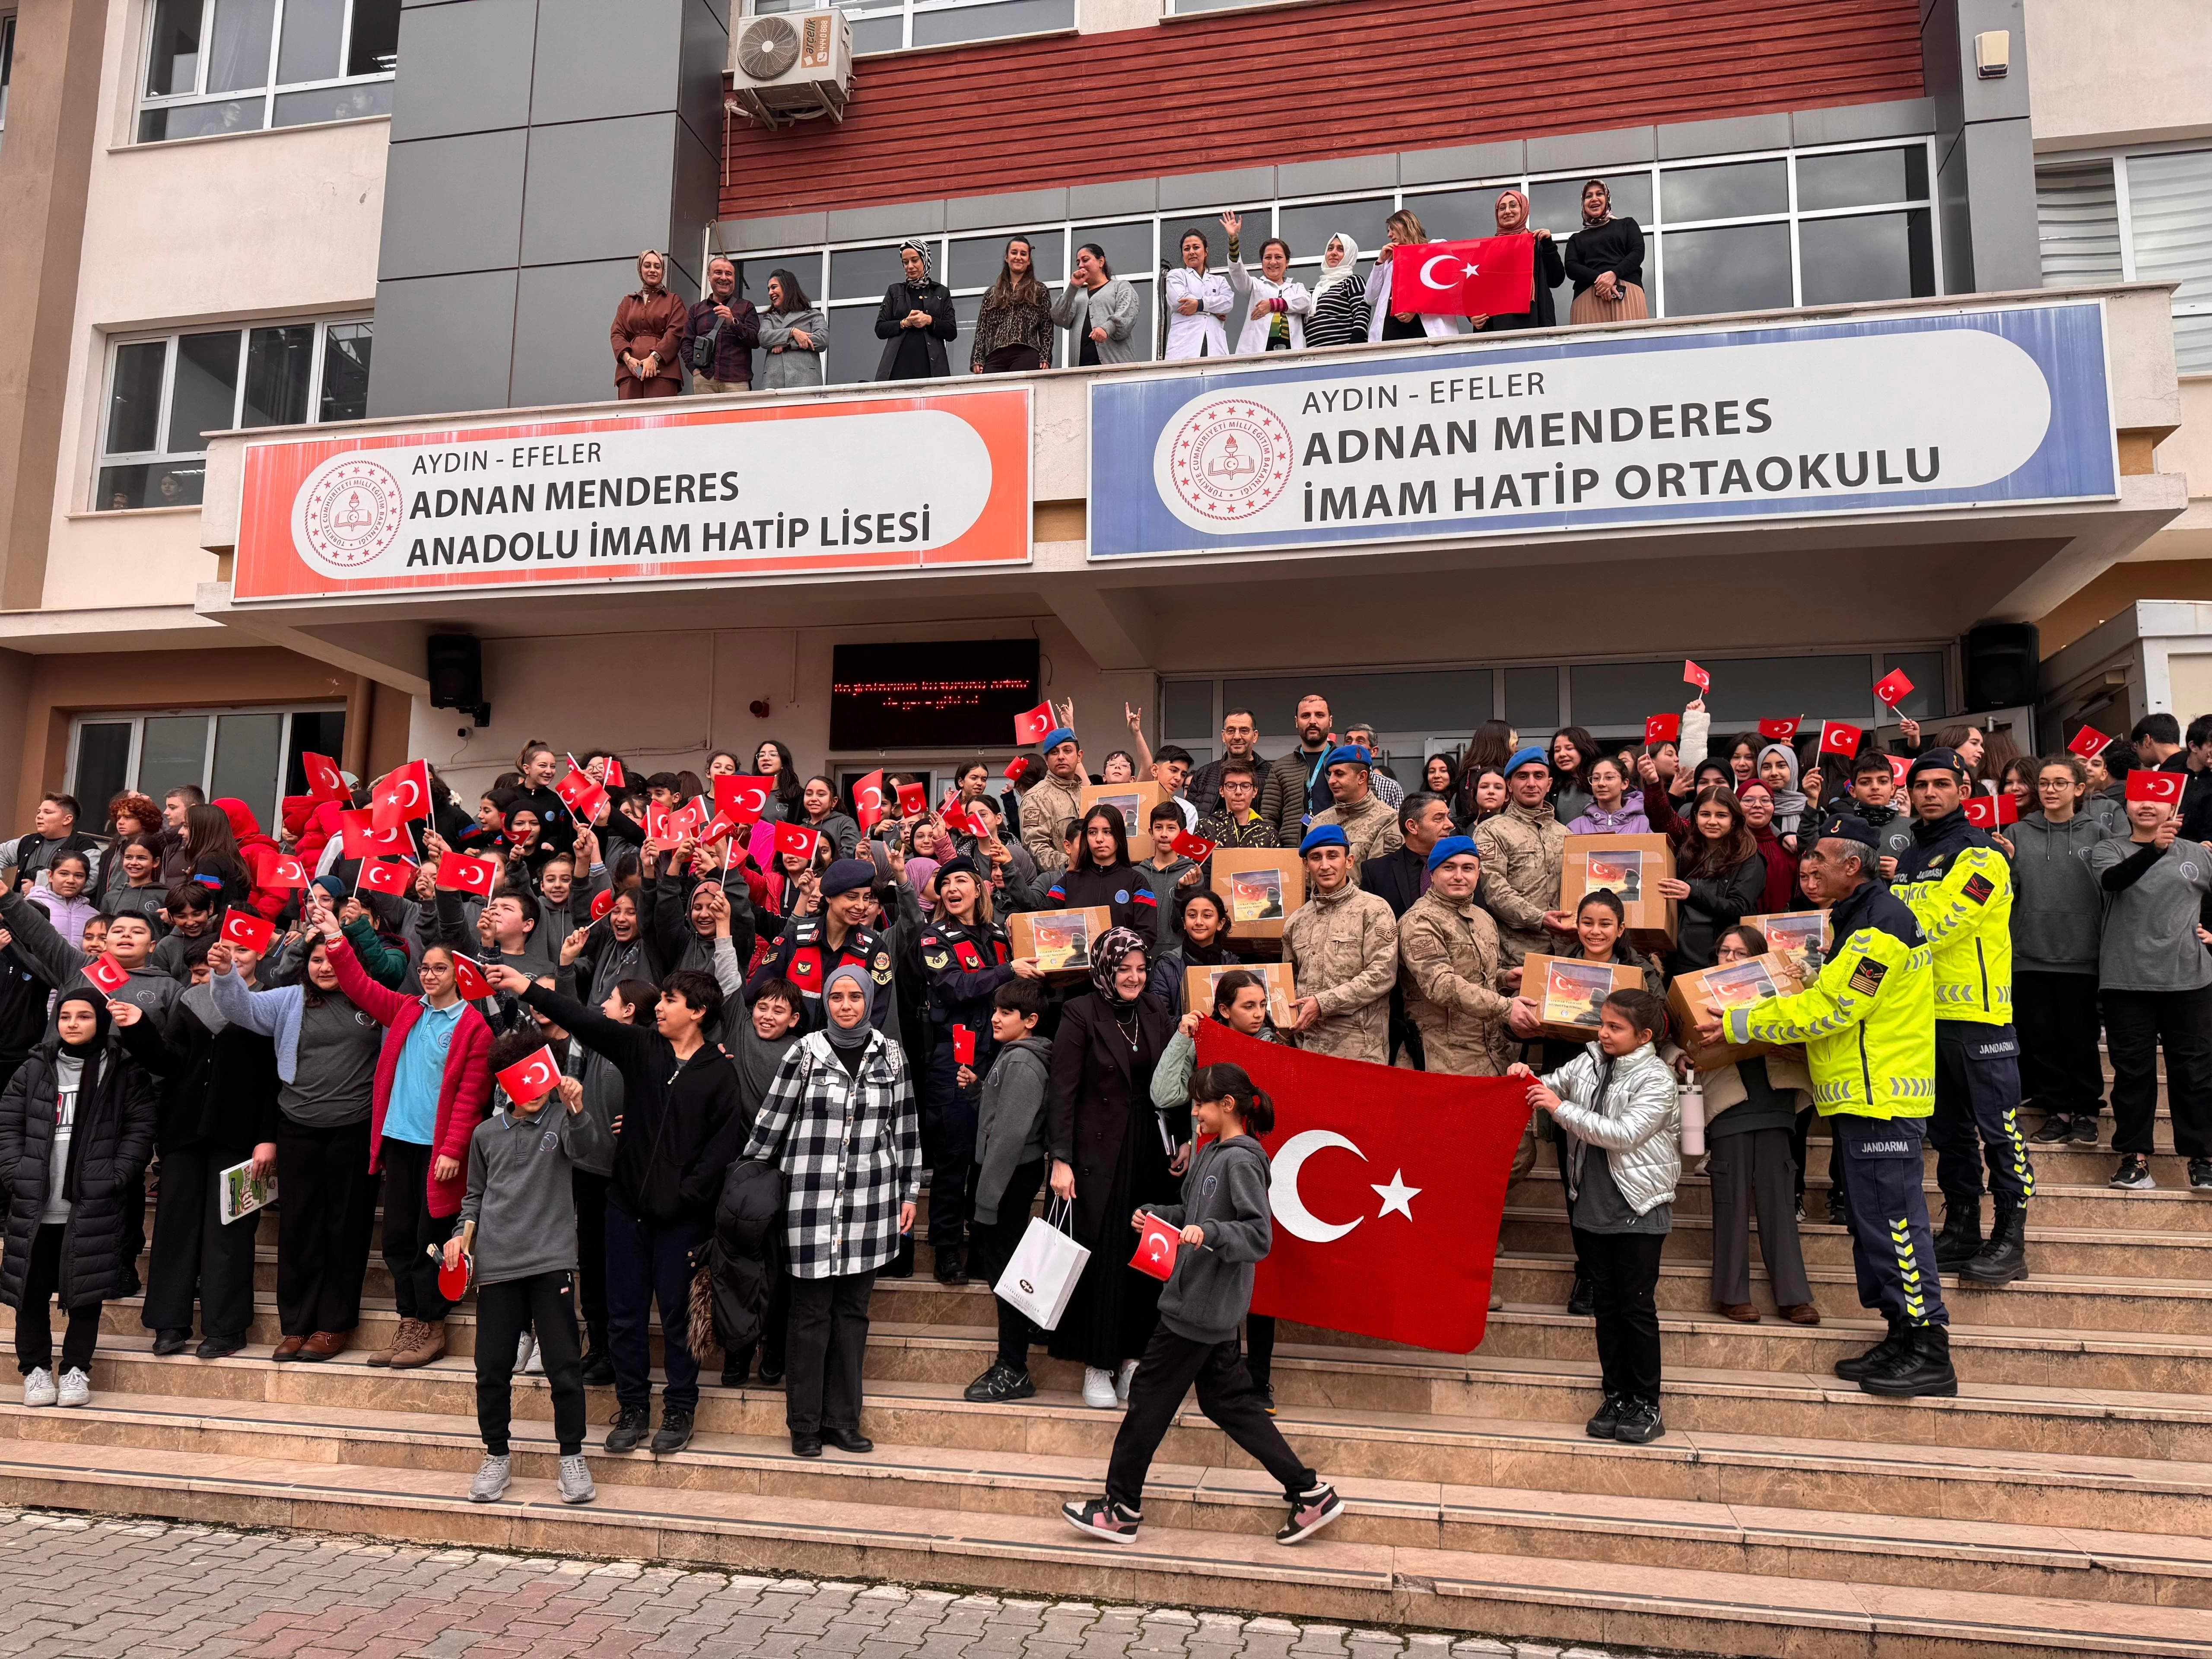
x=1262, y=887
x=1732, y=985
x=1631, y=867
x=1801, y=938
x=1198, y=983
x=1568, y=992
x=1135, y=802
x=1061, y=940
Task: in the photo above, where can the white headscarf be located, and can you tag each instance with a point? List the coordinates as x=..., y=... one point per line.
x=1331, y=274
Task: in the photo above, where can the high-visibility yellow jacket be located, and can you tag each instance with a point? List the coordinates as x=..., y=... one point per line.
x=1958, y=885
x=1868, y=1022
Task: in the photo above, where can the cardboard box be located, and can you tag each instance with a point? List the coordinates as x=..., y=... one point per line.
x=1198, y=988
x=1261, y=886
x=1061, y=940
x=1793, y=935
x=1735, y=985
x=1136, y=801
x=1633, y=866
x=1567, y=993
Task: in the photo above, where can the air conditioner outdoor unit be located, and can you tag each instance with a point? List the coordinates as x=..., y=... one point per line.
x=791, y=66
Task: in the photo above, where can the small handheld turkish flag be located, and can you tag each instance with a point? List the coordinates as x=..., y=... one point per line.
x=613, y=771
x=1837, y=738
x=284, y=874
x=1492, y=276
x=1196, y=849
x=2088, y=743
x=1017, y=769
x=469, y=978
x=741, y=797
x=531, y=1078
x=579, y=794
x=1662, y=728
x=913, y=799
x=324, y=782
x=957, y=819
x=601, y=905
x=1156, y=1248
x=1032, y=727
x=243, y=927
x=797, y=840
x=963, y=1046
x=366, y=840
x=719, y=827
x=1781, y=730
x=401, y=794
x=394, y=876
x=1892, y=687
x=2155, y=786
x=659, y=825
x=868, y=799
x=458, y=873
x=1697, y=676
x=1900, y=768
x=689, y=819
x=109, y=975
x=1990, y=811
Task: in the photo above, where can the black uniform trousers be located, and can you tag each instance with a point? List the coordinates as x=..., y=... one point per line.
x=2055, y=1015
x=827, y=1341
x=590, y=1192
x=325, y=1212
x=1976, y=1115
x=1623, y=1275
x=410, y=1230
x=2138, y=1024
x=546, y=1303
x=1893, y=1246
x=196, y=1257
x=948, y=1132
x=1170, y=1365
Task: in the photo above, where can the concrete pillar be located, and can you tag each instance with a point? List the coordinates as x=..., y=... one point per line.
x=1986, y=155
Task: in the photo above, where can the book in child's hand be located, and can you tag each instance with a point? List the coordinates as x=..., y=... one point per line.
x=240, y=1193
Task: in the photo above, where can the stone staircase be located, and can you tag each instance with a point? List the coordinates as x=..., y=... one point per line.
x=2058, y=1506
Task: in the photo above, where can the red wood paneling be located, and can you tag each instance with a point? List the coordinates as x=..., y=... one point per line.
x=1339, y=78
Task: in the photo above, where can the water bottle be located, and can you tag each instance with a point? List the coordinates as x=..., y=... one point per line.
x=1693, y=1119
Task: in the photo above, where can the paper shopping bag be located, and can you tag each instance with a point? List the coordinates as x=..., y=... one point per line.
x=1041, y=1278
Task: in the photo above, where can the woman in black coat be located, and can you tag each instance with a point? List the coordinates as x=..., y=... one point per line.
x=1720, y=878
x=1101, y=874
x=916, y=321
x=1512, y=214
x=65, y=1237
x=1108, y=1156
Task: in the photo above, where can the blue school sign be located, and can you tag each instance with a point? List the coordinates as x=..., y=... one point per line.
x=1900, y=413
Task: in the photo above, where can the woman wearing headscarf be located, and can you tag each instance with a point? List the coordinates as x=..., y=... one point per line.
x=839, y=1121
x=1606, y=259
x=1340, y=299
x=916, y=321
x=793, y=335
x=1197, y=298
x=1512, y=214
x=1267, y=308
x=1014, y=330
x=1778, y=770
x=1110, y=1152
x=1401, y=229
x=647, y=335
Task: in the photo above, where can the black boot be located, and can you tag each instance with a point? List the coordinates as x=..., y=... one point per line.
x=1923, y=1369
x=902, y=1265
x=1582, y=1302
x=1878, y=1357
x=1961, y=1237
x=2004, y=1258
x=951, y=1266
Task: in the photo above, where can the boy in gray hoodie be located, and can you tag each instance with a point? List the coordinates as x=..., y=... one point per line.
x=519, y=1216
x=1225, y=1231
x=1009, y=1170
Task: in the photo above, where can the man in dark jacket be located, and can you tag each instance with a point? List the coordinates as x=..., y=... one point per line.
x=1297, y=785
x=1240, y=740
x=720, y=332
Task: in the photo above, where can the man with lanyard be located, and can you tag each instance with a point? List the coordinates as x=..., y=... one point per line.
x=1959, y=884
x=1297, y=785
x=1867, y=1024
x=814, y=946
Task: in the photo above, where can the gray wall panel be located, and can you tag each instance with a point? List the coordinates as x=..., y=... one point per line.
x=451, y=204
x=443, y=344
x=465, y=67
x=563, y=313
x=599, y=190
x=596, y=61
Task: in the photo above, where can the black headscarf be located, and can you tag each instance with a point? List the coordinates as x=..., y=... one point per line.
x=97, y=1002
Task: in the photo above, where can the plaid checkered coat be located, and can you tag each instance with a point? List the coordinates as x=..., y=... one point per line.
x=850, y=1149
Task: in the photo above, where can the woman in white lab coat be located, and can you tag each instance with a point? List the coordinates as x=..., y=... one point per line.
x=1197, y=300
x=1402, y=229
x=1267, y=307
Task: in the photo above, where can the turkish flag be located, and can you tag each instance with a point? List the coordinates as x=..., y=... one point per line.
x=2088, y=743
x=579, y=794
x=2144, y=785
x=613, y=773
x=963, y=1046
x=1781, y=730
x=366, y=840
x=601, y=905
x=1156, y=1248
x=1837, y=738
x=956, y=819
x=797, y=840
x=1892, y=687
x=394, y=876
x=1017, y=769
x=913, y=799
x=1900, y=768
x=284, y=874
x=868, y=799
x=323, y=781
x=689, y=819
x=531, y=1076
x=109, y=975
x=243, y=927
x=1388, y=1190
x=1196, y=849
x=1662, y=728
x=1495, y=276
x=1990, y=811
x=459, y=873
x=719, y=828
x=1032, y=727
x=659, y=825
x=401, y=794
x=742, y=797
x=1697, y=676
x=469, y=978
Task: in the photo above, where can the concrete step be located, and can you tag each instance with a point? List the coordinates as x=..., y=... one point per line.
x=2060, y=1163
x=2168, y=1208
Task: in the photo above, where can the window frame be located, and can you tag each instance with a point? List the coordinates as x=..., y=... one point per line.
x=165, y=452
x=95, y=812
x=270, y=90
x=7, y=65
x=865, y=11
x=2116, y=156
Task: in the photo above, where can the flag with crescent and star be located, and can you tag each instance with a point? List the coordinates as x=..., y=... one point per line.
x=1495, y=276
x=1387, y=1188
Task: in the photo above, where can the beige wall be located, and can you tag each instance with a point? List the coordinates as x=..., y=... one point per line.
x=2118, y=71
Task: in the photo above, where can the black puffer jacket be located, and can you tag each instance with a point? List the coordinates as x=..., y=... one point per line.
x=748, y=1251
x=109, y=1148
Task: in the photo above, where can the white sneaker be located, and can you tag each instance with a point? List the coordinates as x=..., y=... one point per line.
x=525, y=1351
x=576, y=1486
x=490, y=1483
x=1098, y=1389
x=535, y=1364
x=76, y=1387
x=38, y=1387
x=1122, y=1379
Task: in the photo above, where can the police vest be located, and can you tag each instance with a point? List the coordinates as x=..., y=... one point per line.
x=809, y=963
x=1867, y=1023
x=1963, y=902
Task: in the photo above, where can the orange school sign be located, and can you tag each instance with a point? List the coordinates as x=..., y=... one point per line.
x=780, y=487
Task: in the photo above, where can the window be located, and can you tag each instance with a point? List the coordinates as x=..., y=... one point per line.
x=881, y=26
x=251, y=754
x=216, y=66
x=2137, y=217
x=7, y=65
x=1826, y=227
x=164, y=395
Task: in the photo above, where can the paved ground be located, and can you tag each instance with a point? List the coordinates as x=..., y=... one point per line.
x=77, y=1589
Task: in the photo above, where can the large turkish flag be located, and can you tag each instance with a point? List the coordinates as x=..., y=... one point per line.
x=1494, y=276
x=1388, y=1186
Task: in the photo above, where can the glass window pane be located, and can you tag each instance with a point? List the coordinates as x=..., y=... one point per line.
x=103, y=769
x=1876, y=256
x=1748, y=690
x=173, y=63
x=1609, y=696
x=205, y=398
x=7, y=62
x=1927, y=700
x=1447, y=215
x=1307, y=229
x=1532, y=700
x=353, y=103
x=375, y=48
x=201, y=120
x=1733, y=190
x=1557, y=204
x=322, y=732
x=307, y=50
x=1188, y=710
x=345, y=374
x=938, y=28
x=149, y=484
x=279, y=362
x=247, y=750
x=854, y=351
x=975, y=260
x=965, y=308
x=877, y=34
x=241, y=57
x=2077, y=222
x=1129, y=247
x=1863, y=177
x=174, y=751
x=2192, y=344
x=2170, y=211
x=134, y=400
x=1745, y=268
x=119, y=489
x=857, y=273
